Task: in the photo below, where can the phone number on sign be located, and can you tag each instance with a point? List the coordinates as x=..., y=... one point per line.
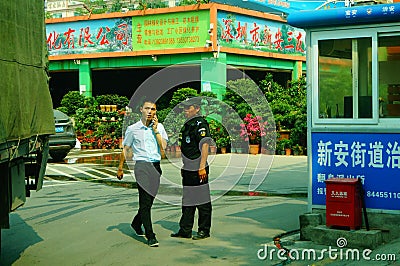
x=386, y=195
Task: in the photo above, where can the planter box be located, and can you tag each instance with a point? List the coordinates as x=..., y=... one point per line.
x=284, y=134
x=254, y=148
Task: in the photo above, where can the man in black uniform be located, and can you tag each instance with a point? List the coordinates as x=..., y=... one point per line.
x=196, y=191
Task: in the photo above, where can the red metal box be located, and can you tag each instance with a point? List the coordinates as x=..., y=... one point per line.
x=343, y=202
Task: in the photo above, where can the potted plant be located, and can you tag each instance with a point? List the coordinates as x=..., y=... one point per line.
x=236, y=145
x=91, y=141
x=223, y=143
x=231, y=122
x=252, y=129
x=84, y=145
x=283, y=146
x=217, y=131
x=108, y=142
x=297, y=149
x=268, y=144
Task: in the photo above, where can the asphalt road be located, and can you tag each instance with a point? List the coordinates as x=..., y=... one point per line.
x=82, y=214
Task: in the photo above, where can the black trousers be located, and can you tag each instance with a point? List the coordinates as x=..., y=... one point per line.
x=148, y=181
x=196, y=195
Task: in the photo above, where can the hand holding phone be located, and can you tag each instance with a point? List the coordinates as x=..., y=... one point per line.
x=154, y=122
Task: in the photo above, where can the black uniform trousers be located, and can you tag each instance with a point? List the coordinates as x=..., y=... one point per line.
x=148, y=181
x=196, y=195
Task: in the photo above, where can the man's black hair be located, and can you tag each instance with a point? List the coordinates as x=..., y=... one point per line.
x=137, y=102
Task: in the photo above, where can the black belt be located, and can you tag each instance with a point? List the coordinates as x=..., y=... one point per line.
x=153, y=163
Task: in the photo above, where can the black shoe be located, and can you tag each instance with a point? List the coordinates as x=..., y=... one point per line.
x=201, y=235
x=181, y=235
x=152, y=242
x=138, y=230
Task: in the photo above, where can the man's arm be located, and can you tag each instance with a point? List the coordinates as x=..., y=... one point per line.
x=203, y=161
x=162, y=143
x=126, y=153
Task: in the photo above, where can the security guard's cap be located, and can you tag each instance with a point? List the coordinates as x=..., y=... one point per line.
x=192, y=101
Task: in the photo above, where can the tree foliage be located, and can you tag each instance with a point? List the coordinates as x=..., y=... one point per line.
x=243, y=95
x=72, y=101
x=286, y=107
x=289, y=106
x=181, y=95
x=173, y=118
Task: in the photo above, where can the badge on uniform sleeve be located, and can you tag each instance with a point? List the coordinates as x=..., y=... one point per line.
x=187, y=139
x=202, y=132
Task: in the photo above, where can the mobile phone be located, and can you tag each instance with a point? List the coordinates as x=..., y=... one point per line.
x=153, y=121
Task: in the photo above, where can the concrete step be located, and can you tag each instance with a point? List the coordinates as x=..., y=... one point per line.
x=362, y=238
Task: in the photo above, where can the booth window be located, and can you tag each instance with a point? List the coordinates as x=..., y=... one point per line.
x=389, y=77
x=345, y=78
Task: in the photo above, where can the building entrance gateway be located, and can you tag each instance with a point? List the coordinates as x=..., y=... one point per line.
x=162, y=37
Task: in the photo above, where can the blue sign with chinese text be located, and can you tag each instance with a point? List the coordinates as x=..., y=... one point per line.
x=374, y=158
x=89, y=36
x=361, y=14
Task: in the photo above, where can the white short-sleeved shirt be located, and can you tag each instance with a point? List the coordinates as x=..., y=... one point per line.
x=143, y=141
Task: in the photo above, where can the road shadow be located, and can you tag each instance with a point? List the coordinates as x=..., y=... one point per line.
x=15, y=242
x=240, y=238
x=173, y=227
x=283, y=216
x=126, y=229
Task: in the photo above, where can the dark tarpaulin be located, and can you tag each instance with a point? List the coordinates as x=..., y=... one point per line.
x=25, y=105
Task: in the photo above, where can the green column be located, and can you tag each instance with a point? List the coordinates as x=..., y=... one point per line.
x=85, y=78
x=213, y=74
x=297, y=70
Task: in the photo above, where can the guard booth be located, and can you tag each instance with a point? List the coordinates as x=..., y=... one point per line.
x=353, y=99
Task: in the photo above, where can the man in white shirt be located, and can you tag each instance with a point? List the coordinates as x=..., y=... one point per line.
x=146, y=141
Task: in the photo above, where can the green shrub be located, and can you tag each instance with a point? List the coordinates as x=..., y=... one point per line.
x=223, y=142
x=283, y=144
x=72, y=101
x=240, y=93
x=87, y=119
x=162, y=114
x=181, y=95
x=62, y=109
x=113, y=99
x=289, y=107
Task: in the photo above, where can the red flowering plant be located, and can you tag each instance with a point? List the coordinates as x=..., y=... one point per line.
x=108, y=142
x=253, y=129
x=116, y=142
x=105, y=142
x=88, y=140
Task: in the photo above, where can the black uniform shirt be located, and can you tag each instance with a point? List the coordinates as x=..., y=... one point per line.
x=194, y=132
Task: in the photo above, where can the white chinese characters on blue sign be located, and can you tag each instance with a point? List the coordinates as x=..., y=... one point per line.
x=373, y=158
